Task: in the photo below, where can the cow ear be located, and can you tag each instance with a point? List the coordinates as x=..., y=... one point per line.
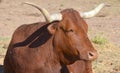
x=52, y=27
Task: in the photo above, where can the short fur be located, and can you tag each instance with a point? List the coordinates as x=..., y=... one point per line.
x=36, y=49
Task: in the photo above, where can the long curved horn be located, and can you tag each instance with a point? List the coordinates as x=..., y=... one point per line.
x=93, y=12
x=42, y=10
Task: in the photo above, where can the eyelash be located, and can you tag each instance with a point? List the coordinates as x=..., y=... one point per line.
x=69, y=30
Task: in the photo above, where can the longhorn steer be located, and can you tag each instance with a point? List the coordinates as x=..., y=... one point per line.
x=59, y=45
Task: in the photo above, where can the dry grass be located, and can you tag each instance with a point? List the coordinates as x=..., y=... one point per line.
x=4, y=41
x=108, y=60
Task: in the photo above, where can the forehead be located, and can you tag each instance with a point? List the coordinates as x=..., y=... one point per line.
x=70, y=14
x=72, y=19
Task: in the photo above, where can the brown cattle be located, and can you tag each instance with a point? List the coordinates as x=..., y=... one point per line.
x=60, y=46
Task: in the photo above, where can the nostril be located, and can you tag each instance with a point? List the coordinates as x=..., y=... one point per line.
x=91, y=54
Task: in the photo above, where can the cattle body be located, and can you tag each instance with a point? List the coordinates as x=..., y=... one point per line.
x=60, y=46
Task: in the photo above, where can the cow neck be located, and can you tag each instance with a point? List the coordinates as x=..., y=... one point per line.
x=51, y=58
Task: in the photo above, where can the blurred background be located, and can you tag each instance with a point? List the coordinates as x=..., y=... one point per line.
x=104, y=29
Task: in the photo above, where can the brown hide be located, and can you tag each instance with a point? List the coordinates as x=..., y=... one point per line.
x=30, y=52
x=74, y=42
x=33, y=49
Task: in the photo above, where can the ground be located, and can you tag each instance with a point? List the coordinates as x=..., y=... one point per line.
x=14, y=13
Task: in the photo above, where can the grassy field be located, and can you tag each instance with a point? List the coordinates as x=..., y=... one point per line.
x=108, y=60
x=4, y=41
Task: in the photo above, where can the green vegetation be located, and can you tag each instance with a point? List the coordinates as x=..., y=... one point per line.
x=108, y=60
x=99, y=40
x=61, y=5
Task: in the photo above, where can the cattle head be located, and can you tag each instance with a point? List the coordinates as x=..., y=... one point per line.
x=70, y=39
